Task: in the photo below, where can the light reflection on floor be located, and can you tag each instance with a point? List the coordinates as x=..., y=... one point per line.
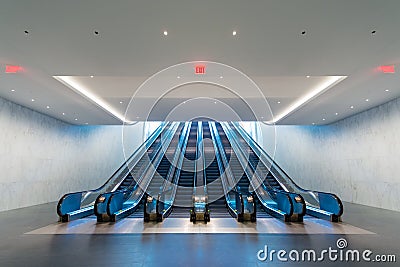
x=217, y=225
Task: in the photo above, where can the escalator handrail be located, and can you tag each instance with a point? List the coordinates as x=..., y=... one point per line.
x=200, y=160
x=177, y=170
x=222, y=169
x=175, y=178
x=224, y=160
x=176, y=163
x=72, y=201
x=273, y=193
x=116, y=200
x=195, y=160
x=178, y=155
x=133, y=188
x=203, y=161
x=254, y=168
x=269, y=188
x=103, y=199
x=254, y=145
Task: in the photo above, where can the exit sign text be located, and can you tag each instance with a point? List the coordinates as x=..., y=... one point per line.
x=200, y=69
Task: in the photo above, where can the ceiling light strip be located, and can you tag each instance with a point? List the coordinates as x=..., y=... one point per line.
x=77, y=87
x=327, y=84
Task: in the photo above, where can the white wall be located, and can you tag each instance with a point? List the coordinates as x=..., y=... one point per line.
x=42, y=158
x=358, y=157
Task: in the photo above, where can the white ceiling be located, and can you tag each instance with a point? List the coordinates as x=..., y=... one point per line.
x=154, y=99
x=269, y=47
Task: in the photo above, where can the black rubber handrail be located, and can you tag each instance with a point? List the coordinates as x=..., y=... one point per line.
x=176, y=163
x=281, y=198
x=221, y=160
x=76, y=197
x=253, y=143
x=118, y=198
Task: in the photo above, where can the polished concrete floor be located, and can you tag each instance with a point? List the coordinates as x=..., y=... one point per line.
x=230, y=225
x=23, y=244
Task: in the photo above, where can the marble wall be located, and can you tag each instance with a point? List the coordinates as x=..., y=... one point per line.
x=358, y=157
x=42, y=158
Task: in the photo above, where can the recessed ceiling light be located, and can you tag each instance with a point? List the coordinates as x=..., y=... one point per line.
x=387, y=90
x=308, y=76
x=221, y=77
x=165, y=33
x=262, y=117
x=91, y=76
x=352, y=107
x=121, y=102
x=323, y=119
x=12, y=90
x=313, y=123
x=63, y=114
x=278, y=102
x=86, y=123
x=137, y=117
x=33, y=100
x=178, y=77
x=234, y=33
x=367, y=100
x=47, y=107
x=215, y=102
x=336, y=113
x=76, y=119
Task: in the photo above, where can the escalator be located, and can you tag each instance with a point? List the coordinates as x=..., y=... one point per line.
x=109, y=199
x=269, y=179
x=274, y=179
x=81, y=204
x=280, y=204
x=183, y=198
x=261, y=212
x=129, y=183
x=154, y=210
x=243, y=185
x=239, y=178
x=215, y=190
x=155, y=186
x=149, y=183
x=156, y=183
x=243, y=182
x=211, y=164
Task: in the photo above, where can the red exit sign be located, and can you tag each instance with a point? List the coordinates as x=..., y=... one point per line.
x=13, y=69
x=387, y=68
x=200, y=69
